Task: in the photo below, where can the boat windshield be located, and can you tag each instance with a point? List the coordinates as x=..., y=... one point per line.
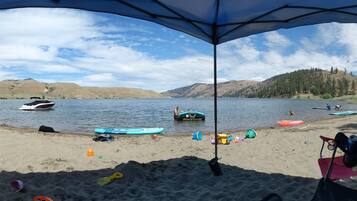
x=38, y=102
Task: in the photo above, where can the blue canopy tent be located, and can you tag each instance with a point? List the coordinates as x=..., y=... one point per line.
x=214, y=21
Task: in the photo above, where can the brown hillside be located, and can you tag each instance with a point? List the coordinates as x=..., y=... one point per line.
x=16, y=89
x=207, y=90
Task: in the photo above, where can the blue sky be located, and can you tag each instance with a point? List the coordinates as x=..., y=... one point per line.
x=96, y=49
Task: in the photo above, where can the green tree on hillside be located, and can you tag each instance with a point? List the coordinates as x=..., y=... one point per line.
x=333, y=89
x=340, y=88
x=313, y=80
x=353, y=88
x=345, y=86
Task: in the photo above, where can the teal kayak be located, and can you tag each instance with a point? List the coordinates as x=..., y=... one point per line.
x=129, y=131
x=344, y=113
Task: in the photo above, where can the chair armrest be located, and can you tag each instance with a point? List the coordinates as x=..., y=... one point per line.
x=325, y=139
x=330, y=143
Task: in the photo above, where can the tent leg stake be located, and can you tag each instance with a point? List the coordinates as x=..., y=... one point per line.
x=213, y=163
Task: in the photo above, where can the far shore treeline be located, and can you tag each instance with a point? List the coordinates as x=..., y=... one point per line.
x=307, y=83
x=326, y=84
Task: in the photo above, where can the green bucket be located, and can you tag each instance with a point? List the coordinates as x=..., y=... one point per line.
x=250, y=133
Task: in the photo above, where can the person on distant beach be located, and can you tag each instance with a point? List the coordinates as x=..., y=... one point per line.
x=328, y=107
x=291, y=113
x=338, y=107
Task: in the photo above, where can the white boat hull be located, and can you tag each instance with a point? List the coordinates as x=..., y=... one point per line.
x=38, y=107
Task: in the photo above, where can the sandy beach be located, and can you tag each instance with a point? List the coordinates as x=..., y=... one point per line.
x=281, y=160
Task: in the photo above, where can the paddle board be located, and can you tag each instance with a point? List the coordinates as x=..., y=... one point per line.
x=319, y=108
x=129, y=131
x=344, y=113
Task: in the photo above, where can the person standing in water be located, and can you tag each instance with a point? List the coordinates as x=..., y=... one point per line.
x=328, y=107
x=176, y=112
x=338, y=107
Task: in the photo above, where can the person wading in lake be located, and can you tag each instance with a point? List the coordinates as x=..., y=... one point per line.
x=176, y=112
x=338, y=107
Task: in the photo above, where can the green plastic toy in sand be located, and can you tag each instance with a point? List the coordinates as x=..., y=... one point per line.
x=107, y=180
x=251, y=133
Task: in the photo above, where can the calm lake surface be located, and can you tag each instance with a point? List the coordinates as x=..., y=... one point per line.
x=233, y=113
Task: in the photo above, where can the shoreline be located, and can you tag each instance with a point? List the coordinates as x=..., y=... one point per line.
x=171, y=133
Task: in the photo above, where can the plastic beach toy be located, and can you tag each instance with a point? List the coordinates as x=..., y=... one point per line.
x=17, y=185
x=197, y=135
x=107, y=180
x=90, y=152
x=42, y=198
x=251, y=133
x=155, y=137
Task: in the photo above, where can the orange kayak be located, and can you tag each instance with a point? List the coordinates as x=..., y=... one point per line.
x=290, y=122
x=42, y=198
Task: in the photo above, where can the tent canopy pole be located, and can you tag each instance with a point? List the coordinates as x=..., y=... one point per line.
x=215, y=167
x=215, y=100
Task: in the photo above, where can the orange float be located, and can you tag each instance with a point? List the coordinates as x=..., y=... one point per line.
x=42, y=198
x=290, y=122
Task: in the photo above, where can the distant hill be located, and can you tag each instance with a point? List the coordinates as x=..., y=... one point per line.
x=317, y=82
x=327, y=84
x=16, y=89
x=206, y=90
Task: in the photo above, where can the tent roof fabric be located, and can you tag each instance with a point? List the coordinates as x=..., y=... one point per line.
x=214, y=21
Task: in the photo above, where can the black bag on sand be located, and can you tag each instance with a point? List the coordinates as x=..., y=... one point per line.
x=46, y=129
x=349, y=146
x=103, y=138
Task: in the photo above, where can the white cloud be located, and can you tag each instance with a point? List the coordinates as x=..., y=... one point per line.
x=57, y=68
x=33, y=39
x=236, y=57
x=4, y=75
x=275, y=40
x=102, y=77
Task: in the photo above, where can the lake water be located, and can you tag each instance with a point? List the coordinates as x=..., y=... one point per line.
x=233, y=113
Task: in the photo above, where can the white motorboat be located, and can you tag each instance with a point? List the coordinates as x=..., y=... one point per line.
x=38, y=105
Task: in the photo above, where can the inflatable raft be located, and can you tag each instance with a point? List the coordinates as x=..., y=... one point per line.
x=129, y=131
x=190, y=116
x=290, y=122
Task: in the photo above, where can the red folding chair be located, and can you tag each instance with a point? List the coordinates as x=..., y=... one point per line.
x=333, y=168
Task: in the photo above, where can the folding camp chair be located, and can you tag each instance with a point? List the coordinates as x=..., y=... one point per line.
x=333, y=169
